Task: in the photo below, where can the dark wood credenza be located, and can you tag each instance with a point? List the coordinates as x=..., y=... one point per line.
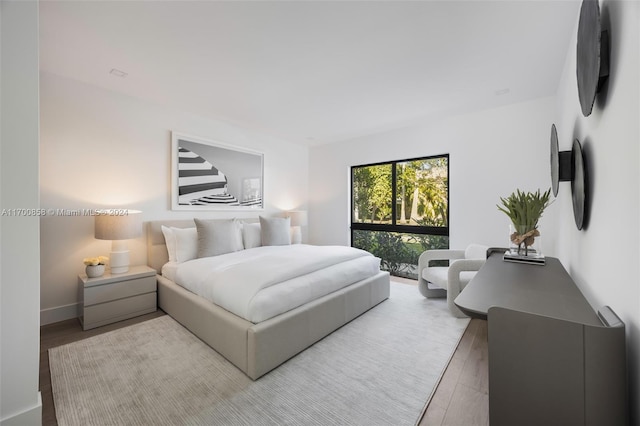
x=552, y=359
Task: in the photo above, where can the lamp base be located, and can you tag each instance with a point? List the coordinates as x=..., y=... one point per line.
x=296, y=235
x=119, y=257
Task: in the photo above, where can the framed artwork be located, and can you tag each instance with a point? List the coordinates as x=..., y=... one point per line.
x=208, y=175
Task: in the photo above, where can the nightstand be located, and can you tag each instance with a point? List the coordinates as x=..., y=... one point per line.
x=116, y=297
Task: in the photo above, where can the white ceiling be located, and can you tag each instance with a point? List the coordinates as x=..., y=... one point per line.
x=314, y=72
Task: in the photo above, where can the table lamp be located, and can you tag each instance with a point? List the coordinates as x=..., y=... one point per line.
x=299, y=219
x=118, y=226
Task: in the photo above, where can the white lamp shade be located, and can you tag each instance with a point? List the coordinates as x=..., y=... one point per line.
x=118, y=224
x=298, y=217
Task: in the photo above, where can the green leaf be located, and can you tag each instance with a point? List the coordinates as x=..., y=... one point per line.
x=525, y=208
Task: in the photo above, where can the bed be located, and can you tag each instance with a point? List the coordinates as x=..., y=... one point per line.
x=258, y=347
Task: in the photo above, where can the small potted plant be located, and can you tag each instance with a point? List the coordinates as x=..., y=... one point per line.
x=525, y=210
x=95, y=265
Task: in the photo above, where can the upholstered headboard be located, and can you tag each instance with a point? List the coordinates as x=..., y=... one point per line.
x=157, y=254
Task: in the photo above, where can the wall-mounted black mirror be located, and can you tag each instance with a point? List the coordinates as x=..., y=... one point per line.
x=579, y=185
x=560, y=163
x=592, y=55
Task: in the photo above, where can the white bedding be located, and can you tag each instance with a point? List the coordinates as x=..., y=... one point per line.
x=262, y=282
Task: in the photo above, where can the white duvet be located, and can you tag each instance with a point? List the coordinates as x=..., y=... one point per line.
x=262, y=282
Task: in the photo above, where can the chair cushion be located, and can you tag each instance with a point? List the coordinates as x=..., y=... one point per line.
x=438, y=275
x=475, y=251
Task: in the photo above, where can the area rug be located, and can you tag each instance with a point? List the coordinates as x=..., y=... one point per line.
x=379, y=369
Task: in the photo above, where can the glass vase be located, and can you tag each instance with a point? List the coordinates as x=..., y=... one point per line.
x=525, y=242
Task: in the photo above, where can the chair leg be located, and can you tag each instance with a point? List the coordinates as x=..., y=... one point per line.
x=430, y=292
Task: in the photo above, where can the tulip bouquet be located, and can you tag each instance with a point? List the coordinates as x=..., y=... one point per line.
x=95, y=266
x=93, y=261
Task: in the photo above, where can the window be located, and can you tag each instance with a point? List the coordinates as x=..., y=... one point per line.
x=399, y=209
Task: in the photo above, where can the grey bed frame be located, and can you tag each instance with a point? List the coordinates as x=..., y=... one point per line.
x=258, y=348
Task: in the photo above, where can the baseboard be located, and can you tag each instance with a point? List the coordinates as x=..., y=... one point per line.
x=32, y=416
x=60, y=313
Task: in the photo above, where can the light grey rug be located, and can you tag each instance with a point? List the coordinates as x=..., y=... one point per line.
x=380, y=369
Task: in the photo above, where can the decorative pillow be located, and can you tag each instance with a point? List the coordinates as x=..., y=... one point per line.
x=218, y=236
x=170, y=241
x=251, y=235
x=275, y=231
x=186, y=243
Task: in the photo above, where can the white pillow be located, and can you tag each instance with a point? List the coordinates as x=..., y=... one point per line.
x=186, y=243
x=251, y=235
x=218, y=236
x=275, y=231
x=170, y=241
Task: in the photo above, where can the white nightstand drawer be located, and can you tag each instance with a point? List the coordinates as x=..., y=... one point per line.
x=118, y=290
x=117, y=310
x=116, y=297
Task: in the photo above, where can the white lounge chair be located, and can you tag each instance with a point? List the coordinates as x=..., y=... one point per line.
x=449, y=281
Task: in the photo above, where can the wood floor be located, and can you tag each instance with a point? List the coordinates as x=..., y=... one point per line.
x=461, y=398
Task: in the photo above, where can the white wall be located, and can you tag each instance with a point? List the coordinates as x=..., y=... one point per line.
x=492, y=152
x=604, y=259
x=103, y=149
x=19, y=259
x=495, y=151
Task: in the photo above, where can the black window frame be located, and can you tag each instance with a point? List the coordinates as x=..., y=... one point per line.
x=394, y=227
